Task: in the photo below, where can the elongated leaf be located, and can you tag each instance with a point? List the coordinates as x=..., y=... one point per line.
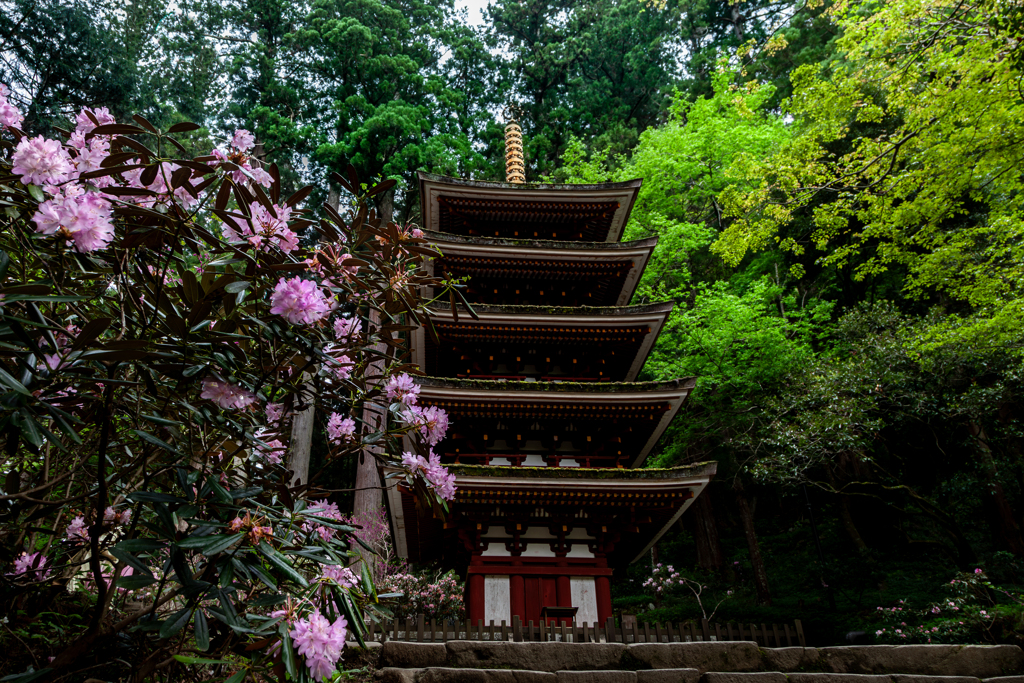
x=237, y=677
x=175, y=622
x=185, y=659
x=183, y=127
x=7, y=380
x=146, y=436
x=152, y=497
x=287, y=652
x=130, y=560
x=139, y=545
x=202, y=631
x=135, y=582
x=281, y=563
x=211, y=545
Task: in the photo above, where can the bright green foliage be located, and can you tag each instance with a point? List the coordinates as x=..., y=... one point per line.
x=936, y=188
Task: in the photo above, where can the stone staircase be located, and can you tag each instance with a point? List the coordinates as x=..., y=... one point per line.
x=694, y=662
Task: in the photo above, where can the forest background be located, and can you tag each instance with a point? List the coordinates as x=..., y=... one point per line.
x=836, y=189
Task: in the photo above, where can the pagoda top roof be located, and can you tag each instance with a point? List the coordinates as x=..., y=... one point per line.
x=586, y=213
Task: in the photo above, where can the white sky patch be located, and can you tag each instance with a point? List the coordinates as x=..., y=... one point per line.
x=475, y=10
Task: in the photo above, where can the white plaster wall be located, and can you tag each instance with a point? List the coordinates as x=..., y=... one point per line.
x=584, y=595
x=538, y=550
x=496, y=549
x=497, y=600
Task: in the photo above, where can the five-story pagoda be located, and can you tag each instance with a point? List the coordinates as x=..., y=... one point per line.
x=549, y=426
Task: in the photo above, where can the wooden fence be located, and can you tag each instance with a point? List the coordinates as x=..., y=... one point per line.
x=423, y=630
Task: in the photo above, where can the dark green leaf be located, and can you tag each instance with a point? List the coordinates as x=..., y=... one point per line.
x=281, y=563
x=175, y=622
x=202, y=631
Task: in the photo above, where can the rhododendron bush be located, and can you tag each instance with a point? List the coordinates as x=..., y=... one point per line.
x=161, y=320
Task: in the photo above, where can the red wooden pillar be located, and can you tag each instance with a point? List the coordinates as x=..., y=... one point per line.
x=604, y=598
x=563, y=591
x=517, y=596
x=476, y=598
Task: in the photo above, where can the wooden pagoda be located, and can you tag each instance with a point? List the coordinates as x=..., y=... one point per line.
x=549, y=426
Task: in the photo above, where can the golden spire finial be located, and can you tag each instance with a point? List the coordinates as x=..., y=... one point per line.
x=515, y=169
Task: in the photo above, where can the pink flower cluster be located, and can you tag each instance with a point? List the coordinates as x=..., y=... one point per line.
x=436, y=475
x=432, y=422
x=41, y=162
x=403, y=389
x=320, y=642
x=300, y=302
x=83, y=217
x=30, y=566
x=271, y=454
x=242, y=142
x=9, y=114
x=77, y=531
x=265, y=228
x=275, y=412
x=111, y=516
x=340, y=428
x=342, y=576
x=327, y=510
x=346, y=328
x=227, y=396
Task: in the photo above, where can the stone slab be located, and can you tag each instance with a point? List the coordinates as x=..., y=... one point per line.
x=744, y=677
x=401, y=655
x=446, y=675
x=668, y=676
x=790, y=658
x=596, y=676
x=712, y=656
x=393, y=675
x=920, y=678
x=535, y=656
x=1004, y=679
x=825, y=677
x=981, y=661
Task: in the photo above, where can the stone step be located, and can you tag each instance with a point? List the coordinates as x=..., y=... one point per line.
x=950, y=663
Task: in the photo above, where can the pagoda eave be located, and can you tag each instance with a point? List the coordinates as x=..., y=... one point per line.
x=633, y=328
x=619, y=264
x=593, y=213
x=649, y=406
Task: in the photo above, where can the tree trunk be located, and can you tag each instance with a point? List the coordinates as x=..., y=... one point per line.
x=764, y=596
x=705, y=533
x=995, y=498
x=301, y=441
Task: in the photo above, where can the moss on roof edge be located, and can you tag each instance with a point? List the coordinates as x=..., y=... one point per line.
x=697, y=469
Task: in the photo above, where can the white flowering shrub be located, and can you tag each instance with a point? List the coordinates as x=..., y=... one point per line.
x=160, y=323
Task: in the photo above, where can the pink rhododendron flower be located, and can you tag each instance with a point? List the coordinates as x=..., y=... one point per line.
x=403, y=389
x=437, y=475
x=31, y=566
x=300, y=302
x=342, y=366
x=327, y=510
x=432, y=422
x=320, y=642
x=9, y=114
x=227, y=396
x=275, y=411
x=264, y=229
x=89, y=222
x=339, y=428
x=414, y=463
x=344, y=328
x=40, y=161
x=112, y=516
x=272, y=453
x=342, y=576
x=77, y=530
x=85, y=123
x=243, y=140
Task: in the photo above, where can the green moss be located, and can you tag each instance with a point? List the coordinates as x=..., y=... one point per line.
x=561, y=310
x=444, y=237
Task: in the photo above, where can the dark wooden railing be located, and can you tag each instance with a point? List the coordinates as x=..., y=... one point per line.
x=423, y=630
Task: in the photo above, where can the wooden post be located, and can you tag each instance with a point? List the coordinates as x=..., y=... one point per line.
x=705, y=630
x=775, y=631
x=728, y=627
x=490, y=631
x=800, y=632
x=302, y=438
x=504, y=632
x=789, y=636
x=517, y=628
x=636, y=632
x=421, y=622
x=586, y=635
x=609, y=625
x=543, y=631
x=647, y=632
x=529, y=630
